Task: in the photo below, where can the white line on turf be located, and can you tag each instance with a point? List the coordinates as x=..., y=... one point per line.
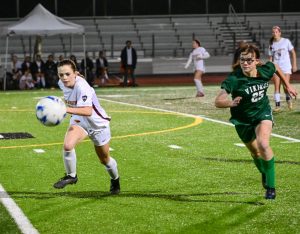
x=39, y=151
x=239, y=144
x=16, y=213
x=150, y=108
x=191, y=115
x=174, y=147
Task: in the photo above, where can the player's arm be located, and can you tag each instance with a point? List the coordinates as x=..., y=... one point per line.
x=188, y=63
x=83, y=111
x=222, y=100
x=292, y=91
x=270, y=58
x=294, y=60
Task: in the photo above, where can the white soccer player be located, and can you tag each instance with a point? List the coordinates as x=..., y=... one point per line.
x=197, y=56
x=279, y=52
x=88, y=119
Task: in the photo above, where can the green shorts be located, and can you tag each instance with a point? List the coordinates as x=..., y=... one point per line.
x=246, y=132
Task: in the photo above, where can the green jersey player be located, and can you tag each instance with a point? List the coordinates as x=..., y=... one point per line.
x=250, y=110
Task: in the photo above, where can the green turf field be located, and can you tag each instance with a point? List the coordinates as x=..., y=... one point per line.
x=181, y=171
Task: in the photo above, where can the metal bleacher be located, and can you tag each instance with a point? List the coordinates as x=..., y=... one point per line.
x=160, y=36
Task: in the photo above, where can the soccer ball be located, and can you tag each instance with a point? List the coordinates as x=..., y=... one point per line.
x=50, y=111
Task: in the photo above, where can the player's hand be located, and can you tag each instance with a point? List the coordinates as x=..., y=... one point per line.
x=292, y=91
x=236, y=101
x=294, y=68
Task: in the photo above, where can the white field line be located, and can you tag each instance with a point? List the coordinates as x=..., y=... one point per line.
x=191, y=115
x=16, y=213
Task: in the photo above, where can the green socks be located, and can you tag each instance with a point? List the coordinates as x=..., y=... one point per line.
x=259, y=164
x=269, y=170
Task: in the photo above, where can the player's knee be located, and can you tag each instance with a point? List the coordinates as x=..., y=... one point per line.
x=68, y=146
x=263, y=146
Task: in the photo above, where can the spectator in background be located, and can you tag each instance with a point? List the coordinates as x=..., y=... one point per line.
x=197, y=56
x=102, y=67
x=60, y=58
x=26, y=81
x=27, y=64
x=13, y=76
x=51, y=72
x=128, y=62
x=88, y=70
x=38, y=72
x=74, y=59
x=279, y=52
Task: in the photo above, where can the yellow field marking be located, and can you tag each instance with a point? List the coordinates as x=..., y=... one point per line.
x=197, y=121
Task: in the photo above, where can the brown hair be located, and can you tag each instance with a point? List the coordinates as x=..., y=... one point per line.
x=272, y=38
x=276, y=27
x=67, y=62
x=198, y=42
x=71, y=63
x=247, y=48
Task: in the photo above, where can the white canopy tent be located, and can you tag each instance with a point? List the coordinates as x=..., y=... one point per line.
x=41, y=22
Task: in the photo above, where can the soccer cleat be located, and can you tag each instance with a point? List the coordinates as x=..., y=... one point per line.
x=64, y=181
x=290, y=105
x=115, y=186
x=270, y=193
x=200, y=94
x=277, y=109
x=264, y=180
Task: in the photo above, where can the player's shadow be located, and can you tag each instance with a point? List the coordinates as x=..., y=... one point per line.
x=182, y=197
x=248, y=161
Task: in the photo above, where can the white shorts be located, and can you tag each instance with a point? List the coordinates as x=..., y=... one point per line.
x=100, y=136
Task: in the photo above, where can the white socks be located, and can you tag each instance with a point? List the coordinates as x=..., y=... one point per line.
x=70, y=162
x=112, y=169
x=199, y=85
x=277, y=97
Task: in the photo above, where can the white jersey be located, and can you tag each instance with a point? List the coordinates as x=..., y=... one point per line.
x=280, y=52
x=197, y=56
x=82, y=94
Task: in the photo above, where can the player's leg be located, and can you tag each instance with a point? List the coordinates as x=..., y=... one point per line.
x=101, y=142
x=258, y=161
x=287, y=95
x=198, y=82
x=253, y=148
x=74, y=135
x=248, y=136
x=276, y=80
x=263, y=132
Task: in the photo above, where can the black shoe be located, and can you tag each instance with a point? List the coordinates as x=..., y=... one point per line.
x=270, y=193
x=65, y=181
x=264, y=180
x=115, y=186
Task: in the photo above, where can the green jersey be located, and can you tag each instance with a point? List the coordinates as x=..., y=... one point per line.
x=254, y=105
